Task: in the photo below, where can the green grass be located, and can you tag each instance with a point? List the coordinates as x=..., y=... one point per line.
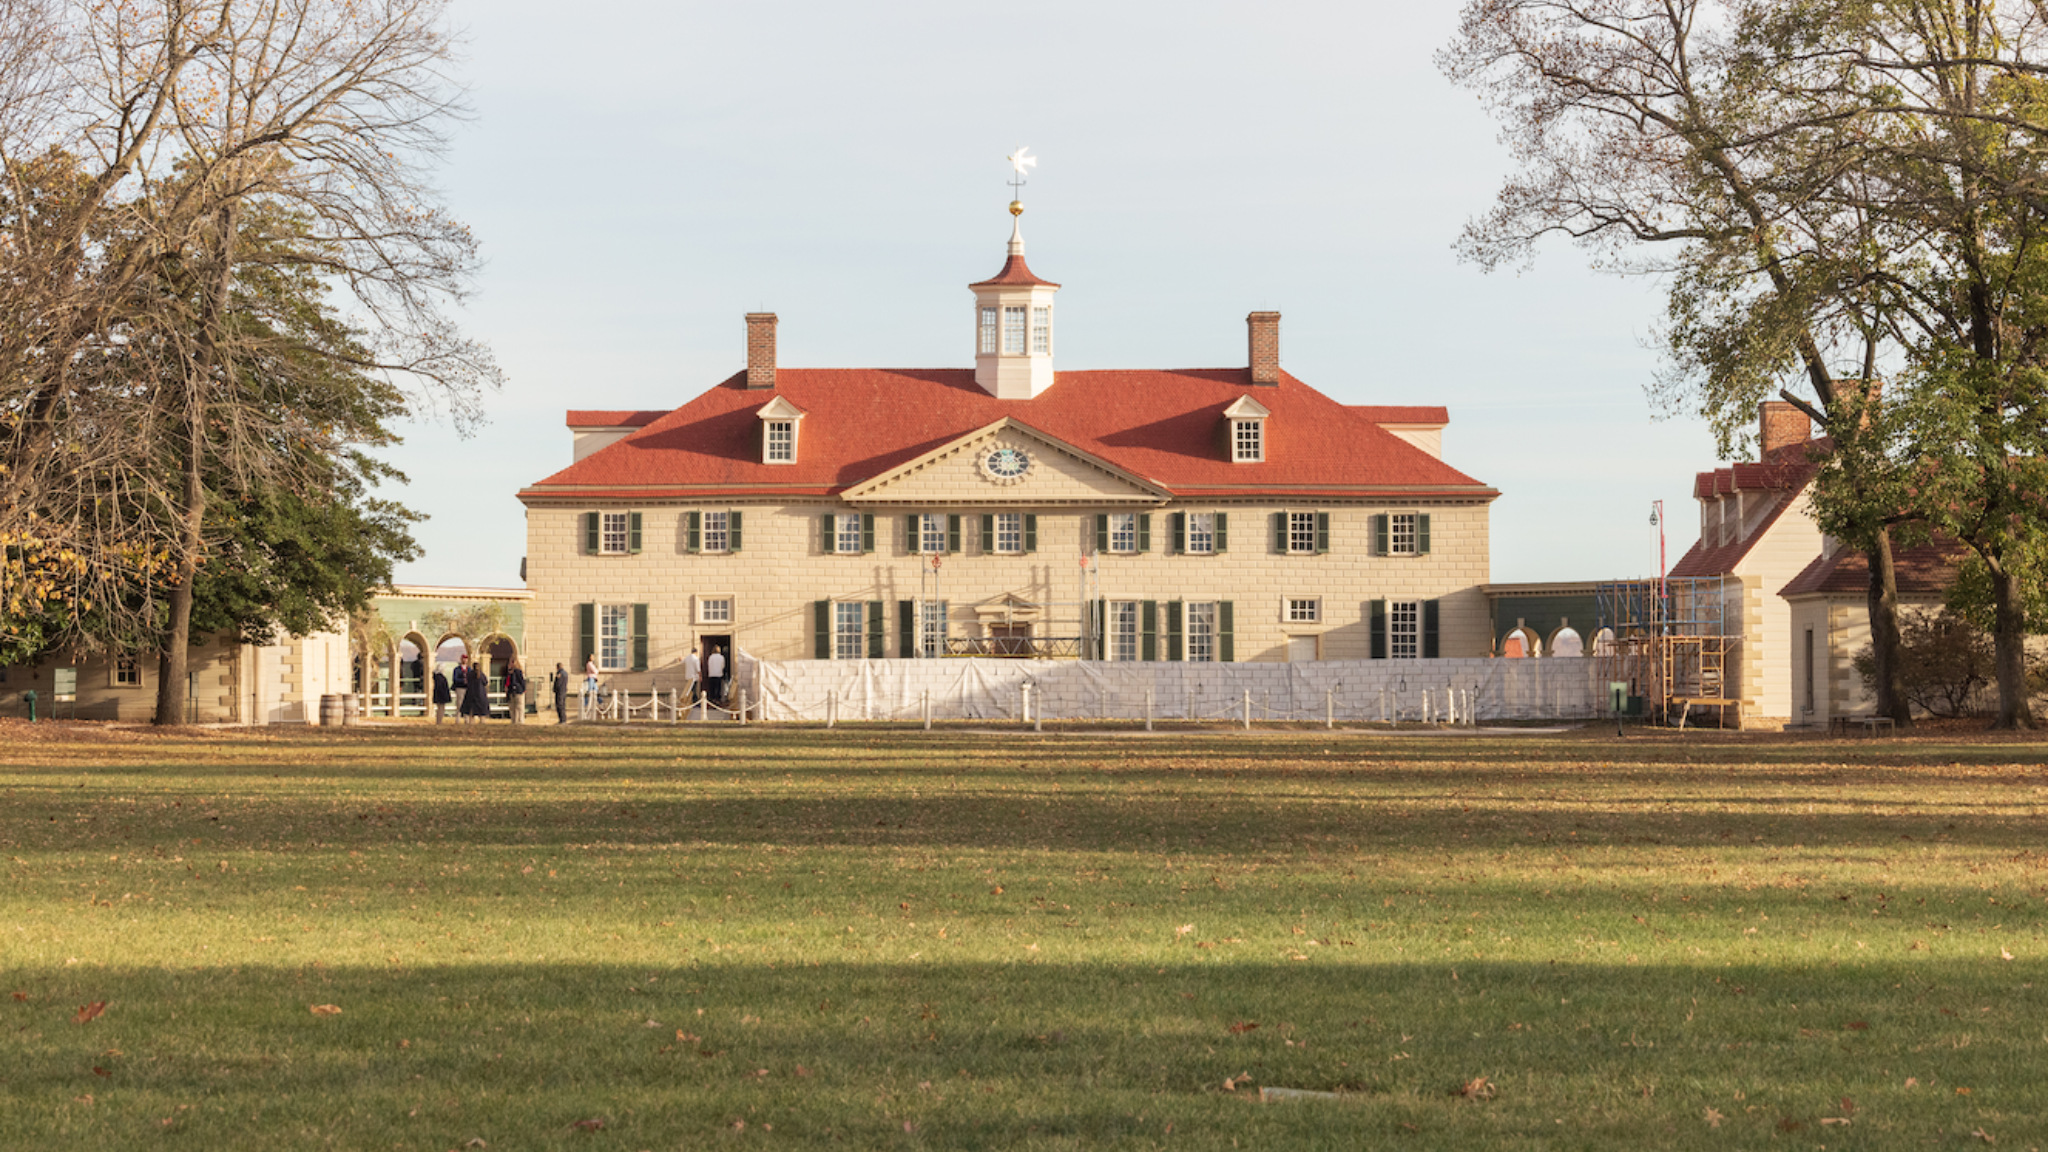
x=894, y=939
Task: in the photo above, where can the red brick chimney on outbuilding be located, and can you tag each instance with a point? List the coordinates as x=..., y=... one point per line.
x=1265, y=340
x=760, y=349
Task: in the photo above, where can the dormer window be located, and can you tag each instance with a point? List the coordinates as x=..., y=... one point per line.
x=988, y=332
x=779, y=420
x=1041, y=331
x=1246, y=423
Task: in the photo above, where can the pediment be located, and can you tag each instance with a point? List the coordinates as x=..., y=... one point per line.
x=781, y=409
x=1246, y=408
x=971, y=471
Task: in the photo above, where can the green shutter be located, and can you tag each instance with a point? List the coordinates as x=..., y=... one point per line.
x=821, y=616
x=830, y=534
x=1379, y=629
x=633, y=532
x=1098, y=645
x=1031, y=532
x=911, y=533
x=1144, y=531
x=639, y=637
x=1422, y=534
x=586, y=626
x=1102, y=532
x=1280, y=533
x=1379, y=535
x=952, y=532
x=1148, y=630
x=1322, y=533
x=988, y=533
x=1173, y=629
x=1178, y=522
x=1222, y=531
x=694, y=533
x=906, y=628
x=867, y=532
x=1226, y=646
x=1429, y=646
x=590, y=539
x=732, y=531
x=876, y=635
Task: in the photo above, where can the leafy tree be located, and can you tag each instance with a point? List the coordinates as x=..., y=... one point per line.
x=1946, y=663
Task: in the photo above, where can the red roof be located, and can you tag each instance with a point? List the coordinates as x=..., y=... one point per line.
x=1402, y=413
x=1786, y=470
x=1923, y=570
x=612, y=418
x=1164, y=426
x=1015, y=271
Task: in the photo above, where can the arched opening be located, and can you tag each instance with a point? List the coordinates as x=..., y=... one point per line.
x=1603, y=642
x=1520, y=643
x=1566, y=642
x=412, y=676
x=498, y=652
x=448, y=656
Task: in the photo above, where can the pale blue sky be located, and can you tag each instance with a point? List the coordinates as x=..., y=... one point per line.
x=643, y=174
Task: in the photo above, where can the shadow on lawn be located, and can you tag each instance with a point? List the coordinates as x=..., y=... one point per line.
x=995, y=1055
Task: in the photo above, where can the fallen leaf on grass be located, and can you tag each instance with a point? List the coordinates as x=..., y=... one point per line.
x=476, y=1142
x=1912, y=1081
x=1243, y=1026
x=325, y=1009
x=21, y=997
x=87, y=1012
x=686, y=1037
x=802, y=1071
x=588, y=1125
x=1230, y=1083
x=99, y=1071
x=1177, y=934
x=1477, y=1088
x=1986, y=1137
x=1714, y=1118
x=2004, y=955
x=1857, y=1026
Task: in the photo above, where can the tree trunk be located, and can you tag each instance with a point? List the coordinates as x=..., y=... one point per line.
x=2009, y=635
x=1884, y=632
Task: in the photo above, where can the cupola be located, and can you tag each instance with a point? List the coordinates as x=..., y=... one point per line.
x=1013, y=324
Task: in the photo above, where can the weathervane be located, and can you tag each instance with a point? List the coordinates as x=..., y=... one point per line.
x=1019, y=161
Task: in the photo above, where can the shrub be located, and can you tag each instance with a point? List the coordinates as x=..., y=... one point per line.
x=1944, y=662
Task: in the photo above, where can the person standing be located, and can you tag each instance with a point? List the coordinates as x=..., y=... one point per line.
x=693, y=675
x=460, y=682
x=561, y=693
x=714, y=676
x=476, y=703
x=589, y=684
x=515, y=691
x=441, y=695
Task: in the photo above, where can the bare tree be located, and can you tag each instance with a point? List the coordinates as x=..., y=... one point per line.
x=175, y=123
x=1656, y=134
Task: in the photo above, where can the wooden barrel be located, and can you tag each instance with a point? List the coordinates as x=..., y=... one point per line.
x=351, y=707
x=333, y=713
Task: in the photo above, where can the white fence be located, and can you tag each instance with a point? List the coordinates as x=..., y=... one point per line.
x=1348, y=690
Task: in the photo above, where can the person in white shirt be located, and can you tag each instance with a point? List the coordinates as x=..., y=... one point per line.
x=692, y=673
x=714, y=676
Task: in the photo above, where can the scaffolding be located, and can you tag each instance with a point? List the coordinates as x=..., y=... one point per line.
x=1668, y=640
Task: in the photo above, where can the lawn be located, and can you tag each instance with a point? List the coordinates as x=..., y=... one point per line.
x=652, y=938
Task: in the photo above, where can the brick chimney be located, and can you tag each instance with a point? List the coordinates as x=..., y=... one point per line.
x=1265, y=339
x=760, y=349
x=1781, y=425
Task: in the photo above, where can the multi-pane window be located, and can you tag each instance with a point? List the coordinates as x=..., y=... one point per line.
x=614, y=637
x=1404, y=629
x=1401, y=534
x=1013, y=331
x=612, y=533
x=1123, y=630
x=127, y=672
x=931, y=628
x=849, y=631
x=1041, y=331
x=1123, y=531
x=1248, y=441
x=1201, y=532
x=716, y=534
x=988, y=332
x=1301, y=532
x=715, y=610
x=781, y=441
x=1009, y=532
x=931, y=533
x=1304, y=610
x=846, y=533
x=1201, y=631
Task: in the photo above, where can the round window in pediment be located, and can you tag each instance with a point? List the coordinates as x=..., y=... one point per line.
x=1005, y=464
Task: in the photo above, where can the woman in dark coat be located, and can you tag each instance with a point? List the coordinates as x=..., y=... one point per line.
x=442, y=696
x=477, y=701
